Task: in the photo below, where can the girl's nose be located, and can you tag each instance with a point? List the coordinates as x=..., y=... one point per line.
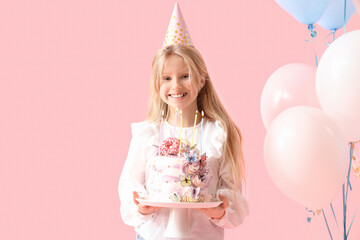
x=177, y=81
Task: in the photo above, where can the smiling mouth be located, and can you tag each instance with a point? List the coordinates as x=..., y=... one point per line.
x=177, y=95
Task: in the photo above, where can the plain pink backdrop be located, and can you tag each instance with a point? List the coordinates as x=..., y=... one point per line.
x=75, y=74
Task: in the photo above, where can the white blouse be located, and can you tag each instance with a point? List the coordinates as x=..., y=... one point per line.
x=134, y=177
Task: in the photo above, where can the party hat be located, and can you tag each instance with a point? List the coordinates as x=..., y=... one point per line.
x=177, y=32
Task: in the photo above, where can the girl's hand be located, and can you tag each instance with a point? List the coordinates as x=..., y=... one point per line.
x=144, y=210
x=219, y=211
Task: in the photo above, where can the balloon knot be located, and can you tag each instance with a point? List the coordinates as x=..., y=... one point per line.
x=312, y=214
x=312, y=30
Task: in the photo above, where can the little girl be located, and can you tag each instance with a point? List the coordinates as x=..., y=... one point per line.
x=180, y=80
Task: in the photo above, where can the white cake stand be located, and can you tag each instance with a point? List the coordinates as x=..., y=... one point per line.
x=178, y=224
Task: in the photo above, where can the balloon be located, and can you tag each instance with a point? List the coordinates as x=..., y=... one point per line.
x=333, y=17
x=338, y=83
x=290, y=85
x=306, y=156
x=305, y=11
x=357, y=5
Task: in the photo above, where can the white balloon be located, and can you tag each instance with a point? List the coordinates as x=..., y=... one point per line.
x=338, y=83
x=357, y=5
x=291, y=85
x=306, y=155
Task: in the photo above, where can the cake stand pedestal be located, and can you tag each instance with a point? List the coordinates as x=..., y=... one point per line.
x=178, y=223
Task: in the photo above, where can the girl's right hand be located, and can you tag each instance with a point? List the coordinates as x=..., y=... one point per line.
x=144, y=210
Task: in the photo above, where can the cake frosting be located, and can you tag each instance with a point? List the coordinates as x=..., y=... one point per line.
x=178, y=173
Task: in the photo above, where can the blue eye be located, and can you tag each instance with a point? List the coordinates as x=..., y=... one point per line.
x=167, y=78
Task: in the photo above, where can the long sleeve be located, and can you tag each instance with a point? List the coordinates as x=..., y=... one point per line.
x=133, y=176
x=238, y=206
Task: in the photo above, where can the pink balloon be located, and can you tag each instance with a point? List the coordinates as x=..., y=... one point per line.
x=290, y=85
x=306, y=156
x=357, y=5
x=338, y=83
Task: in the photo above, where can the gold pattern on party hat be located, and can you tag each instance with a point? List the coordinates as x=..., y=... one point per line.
x=177, y=32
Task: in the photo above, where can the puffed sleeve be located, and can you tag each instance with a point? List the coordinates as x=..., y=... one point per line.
x=133, y=174
x=238, y=206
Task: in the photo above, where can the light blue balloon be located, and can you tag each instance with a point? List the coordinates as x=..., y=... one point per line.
x=305, y=11
x=333, y=17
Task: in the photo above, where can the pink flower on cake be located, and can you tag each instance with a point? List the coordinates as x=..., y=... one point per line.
x=203, y=160
x=194, y=167
x=197, y=181
x=185, y=167
x=170, y=146
x=190, y=167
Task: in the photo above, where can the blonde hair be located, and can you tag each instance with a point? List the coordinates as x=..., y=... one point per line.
x=207, y=101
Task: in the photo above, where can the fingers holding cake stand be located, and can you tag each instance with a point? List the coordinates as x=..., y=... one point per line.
x=178, y=224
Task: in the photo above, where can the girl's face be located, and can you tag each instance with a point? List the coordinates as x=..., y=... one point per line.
x=175, y=87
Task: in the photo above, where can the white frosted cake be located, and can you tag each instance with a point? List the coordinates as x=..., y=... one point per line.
x=178, y=176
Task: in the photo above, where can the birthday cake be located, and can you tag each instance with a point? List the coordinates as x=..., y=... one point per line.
x=178, y=173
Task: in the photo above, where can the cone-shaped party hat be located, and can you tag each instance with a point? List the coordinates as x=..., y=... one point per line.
x=177, y=32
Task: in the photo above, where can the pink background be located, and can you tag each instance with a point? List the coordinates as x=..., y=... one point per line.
x=75, y=74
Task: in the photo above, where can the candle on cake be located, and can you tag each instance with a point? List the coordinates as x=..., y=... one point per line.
x=192, y=140
x=181, y=124
x=162, y=120
x=175, y=121
x=202, y=130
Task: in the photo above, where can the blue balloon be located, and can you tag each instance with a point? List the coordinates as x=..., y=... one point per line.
x=305, y=11
x=333, y=17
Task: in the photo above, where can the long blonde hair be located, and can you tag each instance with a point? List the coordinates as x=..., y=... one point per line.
x=207, y=101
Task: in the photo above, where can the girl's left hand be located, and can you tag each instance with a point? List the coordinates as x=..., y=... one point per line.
x=219, y=211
